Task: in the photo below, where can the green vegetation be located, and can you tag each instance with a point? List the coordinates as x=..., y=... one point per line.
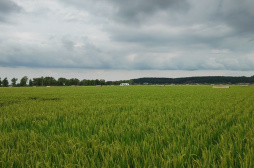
x=194, y=80
x=133, y=126
x=5, y=82
x=51, y=81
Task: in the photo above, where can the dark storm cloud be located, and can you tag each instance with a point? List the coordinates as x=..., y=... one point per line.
x=236, y=14
x=134, y=34
x=61, y=53
x=7, y=7
x=157, y=38
x=129, y=11
x=137, y=11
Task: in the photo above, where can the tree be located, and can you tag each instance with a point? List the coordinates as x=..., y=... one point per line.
x=61, y=81
x=23, y=81
x=97, y=82
x=102, y=82
x=42, y=81
x=30, y=82
x=74, y=81
x=0, y=82
x=82, y=82
x=38, y=81
x=14, y=81
x=49, y=81
x=5, y=82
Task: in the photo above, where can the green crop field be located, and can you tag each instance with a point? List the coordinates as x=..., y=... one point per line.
x=131, y=126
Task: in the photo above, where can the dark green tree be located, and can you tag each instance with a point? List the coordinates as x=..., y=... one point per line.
x=82, y=82
x=97, y=82
x=14, y=81
x=91, y=82
x=38, y=81
x=23, y=81
x=42, y=81
x=61, y=81
x=5, y=82
x=30, y=82
x=74, y=81
x=49, y=81
x=102, y=82
x=0, y=82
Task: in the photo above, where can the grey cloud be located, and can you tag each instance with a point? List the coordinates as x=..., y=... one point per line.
x=68, y=44
x=140, y=35
x=131, y=11
x=91, y=57
x=61, y=54
x=237, y=14
x=158, y=38
x=6, y=8
x=137, y=11
x=228, y=24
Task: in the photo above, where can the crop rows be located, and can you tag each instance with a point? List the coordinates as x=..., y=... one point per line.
x=133, y=126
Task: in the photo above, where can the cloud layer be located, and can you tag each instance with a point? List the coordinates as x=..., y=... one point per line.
x=128, y=35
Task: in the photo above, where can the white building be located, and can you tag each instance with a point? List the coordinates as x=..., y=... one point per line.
x=124, y=84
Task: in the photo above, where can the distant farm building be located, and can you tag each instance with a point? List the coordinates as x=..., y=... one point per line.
x=124, y=84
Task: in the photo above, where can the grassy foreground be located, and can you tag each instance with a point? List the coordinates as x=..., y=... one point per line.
x=133, y=126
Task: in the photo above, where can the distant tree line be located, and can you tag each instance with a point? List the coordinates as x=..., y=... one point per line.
x=51, y=81
x=194, y=80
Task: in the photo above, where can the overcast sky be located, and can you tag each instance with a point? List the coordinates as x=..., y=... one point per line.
x=121, y=39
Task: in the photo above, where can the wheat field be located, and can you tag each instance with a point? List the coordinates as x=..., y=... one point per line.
x=130, y=126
